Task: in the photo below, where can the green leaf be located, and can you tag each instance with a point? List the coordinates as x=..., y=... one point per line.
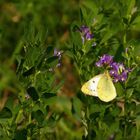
x=49, y=50
x=138, y=124
x=52, y=59
x=58, y=86
x=48, y=95
x=5, y=113
x=125, y=20
x=82, y=14
x=76, y=107
x=38, y=115
x=29, y=72
x=134, y=16
x=21, y=135
x=33, y=93
x=107, y=35
x=135, y=44
x=129, y=92
x=33, y=52
x=92, y=6
x=51, y=62
x=119, y=89
x=20, y=61
x=130, y=6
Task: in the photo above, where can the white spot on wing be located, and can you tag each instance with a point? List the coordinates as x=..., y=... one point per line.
x=93, y=84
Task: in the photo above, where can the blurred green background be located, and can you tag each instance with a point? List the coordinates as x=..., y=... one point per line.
x=53, y=18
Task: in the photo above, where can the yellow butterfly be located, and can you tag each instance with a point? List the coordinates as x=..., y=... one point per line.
x=100, y=86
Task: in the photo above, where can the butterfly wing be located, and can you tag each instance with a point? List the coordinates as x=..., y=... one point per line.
x=106, y=89
x=90, y=87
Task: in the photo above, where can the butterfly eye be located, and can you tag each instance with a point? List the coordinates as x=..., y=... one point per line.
x=93, y=81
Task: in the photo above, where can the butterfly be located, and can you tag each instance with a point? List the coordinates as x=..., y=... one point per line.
x=100, y=86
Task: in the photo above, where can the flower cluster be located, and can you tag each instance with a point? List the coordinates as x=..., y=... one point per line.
x=104, y=60
x=85, y=33
x=117, y=70
x=59, y=55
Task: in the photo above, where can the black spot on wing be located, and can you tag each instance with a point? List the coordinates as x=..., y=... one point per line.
x=92, y=90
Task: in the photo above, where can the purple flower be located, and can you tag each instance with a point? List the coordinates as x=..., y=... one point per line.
x=117, y=67
x=104, y=60
x=59, y=55
x=84, y=29
x=119, y=72
x=123, y=76
x=89, y=36
x=85, y=33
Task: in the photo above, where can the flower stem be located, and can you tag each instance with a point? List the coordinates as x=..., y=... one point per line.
x=124, y=38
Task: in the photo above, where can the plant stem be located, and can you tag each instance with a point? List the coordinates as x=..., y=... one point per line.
x=125, y=113
x=30, y=121
x=124, y=38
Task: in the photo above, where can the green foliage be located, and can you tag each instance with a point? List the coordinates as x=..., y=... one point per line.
x=34, y=103
x=113, y=25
